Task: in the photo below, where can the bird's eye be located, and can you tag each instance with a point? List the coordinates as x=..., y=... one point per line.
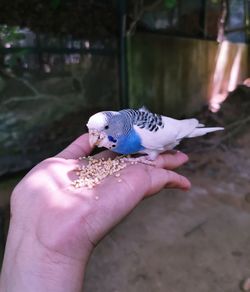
x=106, y=127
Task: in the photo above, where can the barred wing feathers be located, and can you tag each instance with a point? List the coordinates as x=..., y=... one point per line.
x=172, y=133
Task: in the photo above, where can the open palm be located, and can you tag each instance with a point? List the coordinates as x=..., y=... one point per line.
x=64, y=219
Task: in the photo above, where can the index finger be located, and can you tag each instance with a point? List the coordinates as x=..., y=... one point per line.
x=80, y=147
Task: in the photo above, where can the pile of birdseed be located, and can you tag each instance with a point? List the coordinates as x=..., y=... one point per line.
x=96, y=170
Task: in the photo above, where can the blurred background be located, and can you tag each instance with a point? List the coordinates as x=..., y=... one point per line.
x=61, y=61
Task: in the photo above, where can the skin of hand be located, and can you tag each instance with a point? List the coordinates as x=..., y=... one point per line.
x=54, y=226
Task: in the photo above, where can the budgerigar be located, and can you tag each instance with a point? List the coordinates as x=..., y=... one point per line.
x=140, y=131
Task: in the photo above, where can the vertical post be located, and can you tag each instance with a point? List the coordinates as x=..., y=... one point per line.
x=247, y=21
x=203, y=18
x=122, y=54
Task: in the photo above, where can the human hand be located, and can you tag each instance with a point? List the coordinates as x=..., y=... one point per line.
x=61, y=223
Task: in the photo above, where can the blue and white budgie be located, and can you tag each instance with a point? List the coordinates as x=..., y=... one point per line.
x=141, y=131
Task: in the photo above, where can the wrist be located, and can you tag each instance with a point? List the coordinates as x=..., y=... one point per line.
x=30, y=266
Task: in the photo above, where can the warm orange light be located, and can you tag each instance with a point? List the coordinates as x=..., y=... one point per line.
x=217, y=96
x=229, y=69
x=235, y=71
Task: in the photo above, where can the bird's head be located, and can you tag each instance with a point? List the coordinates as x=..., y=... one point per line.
x=103, y=129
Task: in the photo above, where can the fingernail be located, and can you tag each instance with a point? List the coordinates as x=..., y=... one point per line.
x=188, y=187
x=184, y=156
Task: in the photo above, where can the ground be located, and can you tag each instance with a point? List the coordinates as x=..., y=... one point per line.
x=195, y=241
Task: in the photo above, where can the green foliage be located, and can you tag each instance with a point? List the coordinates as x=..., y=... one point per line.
x=170, y=3
x=10, y=34
x=79, y=18
x=15, y=57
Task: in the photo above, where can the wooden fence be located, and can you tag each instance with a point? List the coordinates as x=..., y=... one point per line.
x=177, y=76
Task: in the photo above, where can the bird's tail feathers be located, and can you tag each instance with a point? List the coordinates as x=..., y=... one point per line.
x=202, y=131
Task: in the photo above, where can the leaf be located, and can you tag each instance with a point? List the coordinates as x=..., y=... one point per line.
x=169, y=4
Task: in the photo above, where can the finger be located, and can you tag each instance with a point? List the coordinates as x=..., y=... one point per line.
x=171, y=160
x=178, y=181
x=144, y=180
x=80, y=147
x=161, y=178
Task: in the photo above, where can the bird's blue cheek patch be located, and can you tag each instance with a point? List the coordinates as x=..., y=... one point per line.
x=129, y=144
x=111, y=139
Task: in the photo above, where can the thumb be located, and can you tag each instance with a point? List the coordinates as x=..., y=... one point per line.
x=80, y=147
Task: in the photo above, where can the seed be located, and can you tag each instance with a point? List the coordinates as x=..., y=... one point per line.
x=96, y=170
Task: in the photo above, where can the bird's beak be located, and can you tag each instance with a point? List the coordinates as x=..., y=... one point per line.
x=94, y=138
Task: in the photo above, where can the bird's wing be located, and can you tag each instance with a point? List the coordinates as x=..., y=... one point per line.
x=168, y=136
